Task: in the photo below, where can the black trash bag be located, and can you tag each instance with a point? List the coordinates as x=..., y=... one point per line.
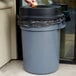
x=67, y=16
x=64, y=8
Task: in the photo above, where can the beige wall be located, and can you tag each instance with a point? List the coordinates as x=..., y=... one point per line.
x=8, y=32
x=5, y=34
x=12, y=3
x=5, y=44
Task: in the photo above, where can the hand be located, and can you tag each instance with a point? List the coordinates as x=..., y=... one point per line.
x=31, y=2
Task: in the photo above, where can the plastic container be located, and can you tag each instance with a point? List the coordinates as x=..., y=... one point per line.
x=40, y=28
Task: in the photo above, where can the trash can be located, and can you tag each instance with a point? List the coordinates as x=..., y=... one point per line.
x=40, y=28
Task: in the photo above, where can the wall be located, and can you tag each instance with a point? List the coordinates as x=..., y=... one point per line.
x=8, y=32
x=5, y=34
x=12, y=3
x=4, y=38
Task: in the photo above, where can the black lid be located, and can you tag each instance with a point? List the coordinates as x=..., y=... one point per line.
x=41, y=12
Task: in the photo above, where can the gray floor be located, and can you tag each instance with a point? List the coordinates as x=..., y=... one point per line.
x=15, y=68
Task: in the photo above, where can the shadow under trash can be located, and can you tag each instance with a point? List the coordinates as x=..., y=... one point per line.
x=40, y=28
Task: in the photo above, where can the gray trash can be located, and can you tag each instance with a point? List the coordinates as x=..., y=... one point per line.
x=41, y=38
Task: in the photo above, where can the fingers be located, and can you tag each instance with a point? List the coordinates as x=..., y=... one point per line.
x=31, y=2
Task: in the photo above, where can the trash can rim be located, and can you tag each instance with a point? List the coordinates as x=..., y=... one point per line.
x=49, y=28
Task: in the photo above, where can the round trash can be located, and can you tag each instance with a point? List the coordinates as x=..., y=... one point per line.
x=40, y=28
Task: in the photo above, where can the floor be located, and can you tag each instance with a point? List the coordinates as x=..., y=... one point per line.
x=15, y=68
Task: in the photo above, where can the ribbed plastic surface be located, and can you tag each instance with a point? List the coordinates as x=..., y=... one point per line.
x=41, y=48
x=41, y=38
